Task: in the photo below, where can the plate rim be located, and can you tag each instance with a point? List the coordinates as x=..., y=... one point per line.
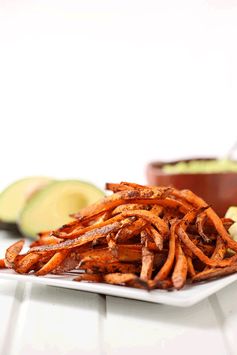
x=188, y=296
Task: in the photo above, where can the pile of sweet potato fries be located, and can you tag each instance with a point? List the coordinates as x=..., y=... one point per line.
x=139, y=236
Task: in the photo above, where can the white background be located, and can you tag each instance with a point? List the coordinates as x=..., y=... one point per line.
x=95, y=89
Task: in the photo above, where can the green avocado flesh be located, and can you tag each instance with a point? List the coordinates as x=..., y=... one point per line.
x=232, y=213
x=50, y=208
x=201, y=166
x=15, y=196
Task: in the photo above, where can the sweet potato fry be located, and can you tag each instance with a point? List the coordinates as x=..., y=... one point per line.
x=133, y=185
x=156, y=236
x=191, y=269
x=2, y=264
x=201, y=219
x=26, y=263
x=190, y=217
x=214, y=273
x=115, y=187
x=12, y=252
x=110, y=238
x=71, y=261
x=129, y=207
x=89, y=278
x=147, y=258
x=46, y=240
x=156, y=209
x=166, y=268
x=181, y=267
x=127, y=279
x=206, y=248
x=52, y=263
x=220, y=249
x=128, y=232
x=149, y=217
x=126, y=253
x=96, y=266
x=227, y=222
x=162, y=284
x=98, y=255
x=129, y=253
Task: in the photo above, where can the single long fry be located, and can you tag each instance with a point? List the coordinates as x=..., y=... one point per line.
x=147, y=258
x=12, y=252
x=83, y=238
x=214, y=273
x=166, y=268
x=181, y=267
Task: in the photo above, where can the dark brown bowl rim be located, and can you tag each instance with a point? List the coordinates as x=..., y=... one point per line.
x=156, y=167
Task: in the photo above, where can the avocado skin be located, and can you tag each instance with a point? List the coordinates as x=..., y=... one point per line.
x=10, y=227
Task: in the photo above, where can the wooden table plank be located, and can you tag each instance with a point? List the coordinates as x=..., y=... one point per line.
x=9, y=304
x=58, y=321
x=134, y=327
x=226, y=304
x=9, y=299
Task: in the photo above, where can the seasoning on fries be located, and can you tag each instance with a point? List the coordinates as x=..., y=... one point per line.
x=140, y=236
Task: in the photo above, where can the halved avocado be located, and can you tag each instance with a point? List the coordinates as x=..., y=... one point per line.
x=15, y=196
x=232, y=213
x=50, y=208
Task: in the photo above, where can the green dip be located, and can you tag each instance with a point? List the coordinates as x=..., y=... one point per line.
x=201, y=166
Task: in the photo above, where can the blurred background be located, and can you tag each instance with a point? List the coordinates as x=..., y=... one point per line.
x=97, y=89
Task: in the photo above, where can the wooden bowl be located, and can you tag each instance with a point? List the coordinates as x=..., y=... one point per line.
x=217, y=189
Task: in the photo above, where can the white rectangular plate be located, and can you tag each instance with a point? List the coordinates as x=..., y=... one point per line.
x=186, y=297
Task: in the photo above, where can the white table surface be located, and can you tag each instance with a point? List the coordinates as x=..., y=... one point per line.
x=39, y=319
